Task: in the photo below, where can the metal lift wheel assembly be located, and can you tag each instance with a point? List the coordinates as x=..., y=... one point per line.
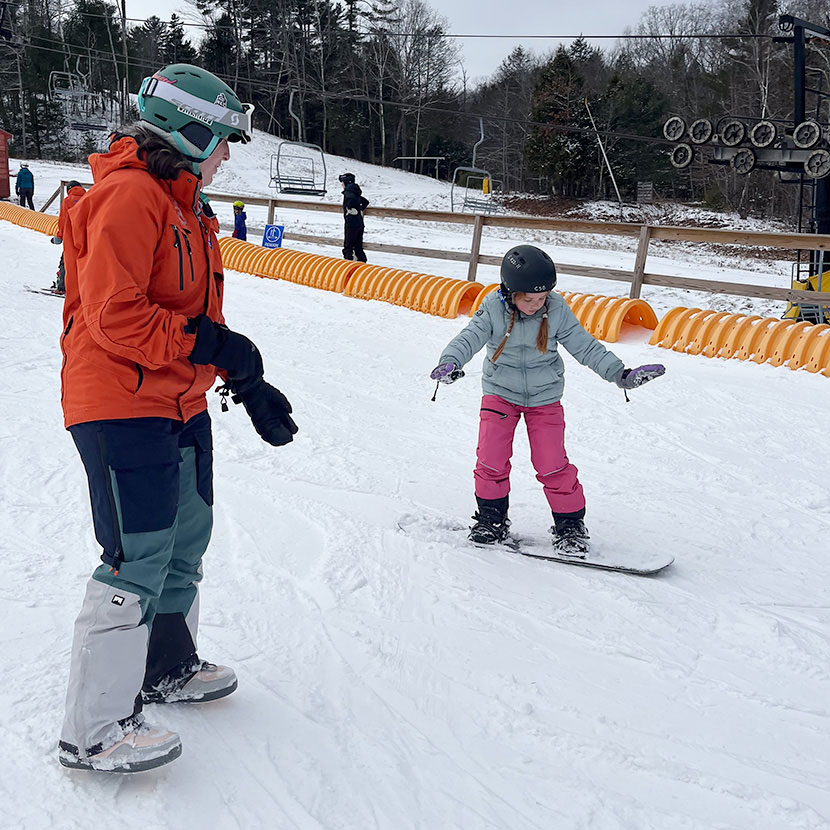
x=732, y=132
x=817, y=164
x=701, y=131
x=674, y=128
x=682, y=156
x=807, y=134
x=763, y=134
x=744, y=161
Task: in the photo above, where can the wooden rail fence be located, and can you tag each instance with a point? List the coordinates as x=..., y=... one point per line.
x=636, y=277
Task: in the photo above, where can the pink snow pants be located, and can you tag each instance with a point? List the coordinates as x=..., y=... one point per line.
x=546, y=432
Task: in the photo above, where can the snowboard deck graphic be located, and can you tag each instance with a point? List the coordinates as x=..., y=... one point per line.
x=646, y=564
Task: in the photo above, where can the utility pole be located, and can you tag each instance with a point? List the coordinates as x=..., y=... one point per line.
x=798, y=30
x=125, y=80
x=22, y=106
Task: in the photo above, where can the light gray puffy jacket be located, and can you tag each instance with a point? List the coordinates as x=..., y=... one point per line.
x=522, y=374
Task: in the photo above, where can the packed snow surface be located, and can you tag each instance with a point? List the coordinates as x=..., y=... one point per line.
x=394, y=679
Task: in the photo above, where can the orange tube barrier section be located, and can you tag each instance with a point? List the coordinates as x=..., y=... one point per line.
x=489, y=289
x=759, y=339
x=798, y=345
x=438, y=296
x=31, y=219
x=603, y=317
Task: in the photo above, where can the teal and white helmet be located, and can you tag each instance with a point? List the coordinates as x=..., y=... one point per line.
x=193, y=110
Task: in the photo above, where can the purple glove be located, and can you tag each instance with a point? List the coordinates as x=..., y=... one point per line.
x=446, y=373
x=632, y=378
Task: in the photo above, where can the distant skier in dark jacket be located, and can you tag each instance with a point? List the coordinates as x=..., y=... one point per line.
x=240, y=229
x=353, y=206
x=25, y=186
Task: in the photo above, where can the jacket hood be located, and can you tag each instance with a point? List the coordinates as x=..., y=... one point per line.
x=354, y=187
x=123, y=153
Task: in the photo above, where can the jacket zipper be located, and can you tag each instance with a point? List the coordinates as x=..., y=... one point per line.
x=520, y=321
x=189, y=254
x=63, y=349
x=203, y=234
x=178, y=246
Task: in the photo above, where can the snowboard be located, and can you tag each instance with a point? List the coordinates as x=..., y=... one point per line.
x=51, y=292
x=627, y=562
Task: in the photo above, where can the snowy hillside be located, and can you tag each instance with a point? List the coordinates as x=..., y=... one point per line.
x=397, y=680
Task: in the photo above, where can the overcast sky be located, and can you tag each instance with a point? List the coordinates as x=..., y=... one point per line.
x=520, y=17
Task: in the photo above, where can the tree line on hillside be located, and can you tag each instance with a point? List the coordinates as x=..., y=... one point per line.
x=379, y=79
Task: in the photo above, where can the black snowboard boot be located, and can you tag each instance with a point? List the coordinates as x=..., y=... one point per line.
x=491, y=522
x=570, y=536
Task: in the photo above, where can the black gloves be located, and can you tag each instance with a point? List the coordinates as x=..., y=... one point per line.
x=269, y=411
x=218, y=346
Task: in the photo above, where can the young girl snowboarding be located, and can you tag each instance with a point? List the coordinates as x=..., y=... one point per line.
x=521, y=325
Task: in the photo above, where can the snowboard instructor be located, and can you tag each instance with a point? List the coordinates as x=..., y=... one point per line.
x=143, y=340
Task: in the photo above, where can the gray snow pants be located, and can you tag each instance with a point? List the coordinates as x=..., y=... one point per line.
x=150, y=485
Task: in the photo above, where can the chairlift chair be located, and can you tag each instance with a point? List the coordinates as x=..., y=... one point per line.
x=481, y=200
x=66, y=85
x=299, y=172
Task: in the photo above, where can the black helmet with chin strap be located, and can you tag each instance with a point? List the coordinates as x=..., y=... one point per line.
x=528, y=269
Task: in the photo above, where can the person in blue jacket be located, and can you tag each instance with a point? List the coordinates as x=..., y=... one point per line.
x=240, y=230
x=522, y=324
x=25, y=186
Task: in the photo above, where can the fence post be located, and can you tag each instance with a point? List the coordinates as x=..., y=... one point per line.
x=270, y=211
x=475, y=248
x=58, y=192
x=640, y=263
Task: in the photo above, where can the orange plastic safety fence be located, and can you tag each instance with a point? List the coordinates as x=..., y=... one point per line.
x=31, y=219
x=602, y=316
x=439, y=296
x=759, y=339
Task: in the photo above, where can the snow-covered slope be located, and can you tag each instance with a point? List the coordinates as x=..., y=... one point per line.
x=392, y=680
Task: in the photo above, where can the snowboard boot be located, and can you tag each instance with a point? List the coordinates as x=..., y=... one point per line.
x=194, y=681
x=491, y=522
x=570, y=536
x=136, y=747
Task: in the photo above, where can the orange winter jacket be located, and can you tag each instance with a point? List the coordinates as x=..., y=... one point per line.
x=70, y=200
x=141, y=257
